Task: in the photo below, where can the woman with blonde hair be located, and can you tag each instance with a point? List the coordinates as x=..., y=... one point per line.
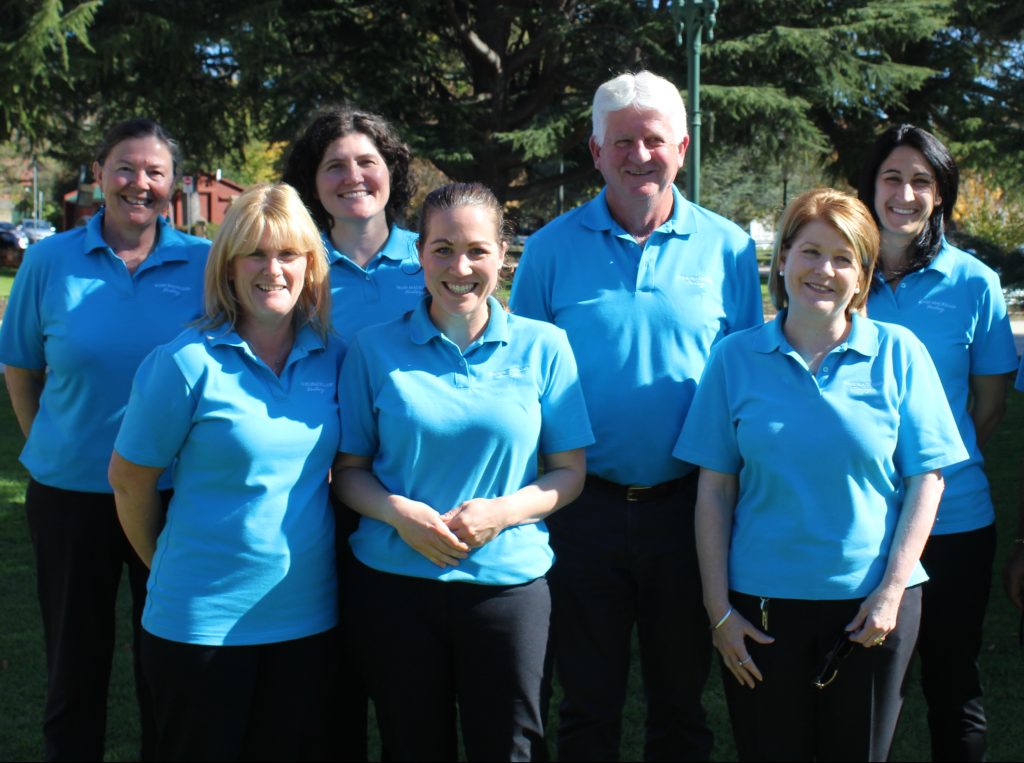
x=820, y=437
x=242, y=589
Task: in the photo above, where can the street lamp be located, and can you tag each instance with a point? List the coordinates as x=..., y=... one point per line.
x=695, y=17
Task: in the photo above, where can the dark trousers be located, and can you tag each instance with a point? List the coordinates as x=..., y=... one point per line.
x=224, y=703
x=952, y=614
x=620, y=565
x=785, y=717
x=80, y=552
x=435, y=653
x=349, y=699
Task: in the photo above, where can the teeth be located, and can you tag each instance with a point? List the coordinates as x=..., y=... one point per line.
x=355, y=194
x=261, y=287
x=460, y=288
x=902, y=210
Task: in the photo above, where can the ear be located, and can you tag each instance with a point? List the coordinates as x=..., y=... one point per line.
x=97, y=173
x=683, y=145
x=595, y=151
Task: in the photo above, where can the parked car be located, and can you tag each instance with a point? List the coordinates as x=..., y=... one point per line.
x=13, y=243
x=37, y=230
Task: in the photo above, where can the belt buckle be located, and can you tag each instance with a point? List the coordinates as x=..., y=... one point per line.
x=635, y=493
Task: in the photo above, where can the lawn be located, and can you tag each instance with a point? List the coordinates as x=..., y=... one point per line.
x=22, y=666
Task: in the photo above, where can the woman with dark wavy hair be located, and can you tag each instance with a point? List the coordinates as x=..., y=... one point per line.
x=352, y=171
x=954, y=304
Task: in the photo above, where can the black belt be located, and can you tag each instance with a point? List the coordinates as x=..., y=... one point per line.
x=636, y=493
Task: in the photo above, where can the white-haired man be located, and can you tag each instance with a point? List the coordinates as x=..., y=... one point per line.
x=644, y=283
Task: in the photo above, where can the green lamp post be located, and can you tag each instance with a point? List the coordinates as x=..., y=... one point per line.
x=696, y=17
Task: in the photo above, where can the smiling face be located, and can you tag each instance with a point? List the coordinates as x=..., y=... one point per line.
x=352, y=180
x=821, y=270
x=136, y=179
x=267, y=283
x=906, y=193
x=638, y=158
x=461, y=254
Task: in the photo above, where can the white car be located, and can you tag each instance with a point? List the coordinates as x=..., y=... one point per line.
x=36, y=230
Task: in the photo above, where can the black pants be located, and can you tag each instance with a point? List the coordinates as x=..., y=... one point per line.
x=349, y=699
x=433, y=651
x=225, y=703
x=952, y=615
x=80, y=552
x=785, y=717
x=621, y=565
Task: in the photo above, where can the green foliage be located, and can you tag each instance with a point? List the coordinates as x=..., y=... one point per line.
x=35, y=45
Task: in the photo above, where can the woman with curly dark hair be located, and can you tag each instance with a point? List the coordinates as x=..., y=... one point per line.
x=352, y=171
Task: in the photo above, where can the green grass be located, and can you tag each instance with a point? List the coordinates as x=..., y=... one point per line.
x=22, y=664
x=6, y=279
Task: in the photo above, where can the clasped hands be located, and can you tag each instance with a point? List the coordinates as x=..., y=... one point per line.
x=447, y=538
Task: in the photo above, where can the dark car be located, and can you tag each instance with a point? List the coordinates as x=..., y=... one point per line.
x=13, y=243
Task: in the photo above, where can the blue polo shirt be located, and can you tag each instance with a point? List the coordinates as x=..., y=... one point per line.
x=956, y=307
x=641, y=320
x=247, y=553
x=76, y=311
x=821, y=458
x=391, y=284
x=444, y=426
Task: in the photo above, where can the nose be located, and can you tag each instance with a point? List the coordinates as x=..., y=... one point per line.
x=639, y=153
x=273, y=265
x=908, y=192
x=353, y=173
x=461, y=265
x=141, y=178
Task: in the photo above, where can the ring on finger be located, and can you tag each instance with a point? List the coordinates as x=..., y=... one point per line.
x=741, y=663
x=878, y=641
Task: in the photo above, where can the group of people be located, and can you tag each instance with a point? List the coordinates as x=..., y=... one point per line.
x=339, y=470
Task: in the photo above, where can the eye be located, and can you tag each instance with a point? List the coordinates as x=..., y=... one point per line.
x=288, y=255
x=479, y=251
x=654, y=142
x=843, y=259
x=623, y=143
x=441, y=250
x=368, y=162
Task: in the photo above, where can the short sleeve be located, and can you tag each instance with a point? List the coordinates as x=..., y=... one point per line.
x=992, y=348
x=928, y=437
x=21, y=333
x=747, y=309
x=360, y=435
x=529, y=290
x=160, y=412
x=708, y=438
x=565, y=424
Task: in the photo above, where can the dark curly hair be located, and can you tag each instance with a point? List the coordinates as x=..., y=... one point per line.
x=326, y=126
x=947, y=181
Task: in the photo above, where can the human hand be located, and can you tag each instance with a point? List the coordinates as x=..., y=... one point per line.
x=423, y=529
x=876, y=616
x=477, y=521
x=1013, y=576
x=730, y=641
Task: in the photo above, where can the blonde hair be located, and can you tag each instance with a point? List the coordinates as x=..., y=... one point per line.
x=277, y=211
x=848, y=216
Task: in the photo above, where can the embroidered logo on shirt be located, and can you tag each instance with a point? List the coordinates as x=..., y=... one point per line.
x=516, y=372
x=860, y=386
x=319, y=387
x=701, y=282
x=935, y=306
x=409, y=288
x=172, y=288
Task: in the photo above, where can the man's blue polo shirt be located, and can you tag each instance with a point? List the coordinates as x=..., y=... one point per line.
x=956, y=307
x=76, y=311
x=641, y=320
x=820, y=458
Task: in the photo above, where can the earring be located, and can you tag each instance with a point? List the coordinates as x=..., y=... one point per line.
x=857, y=290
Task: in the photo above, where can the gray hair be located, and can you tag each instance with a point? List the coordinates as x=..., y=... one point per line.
x=642, y=90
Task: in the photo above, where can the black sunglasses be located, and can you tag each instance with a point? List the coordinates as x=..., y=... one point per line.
x=830, y=667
